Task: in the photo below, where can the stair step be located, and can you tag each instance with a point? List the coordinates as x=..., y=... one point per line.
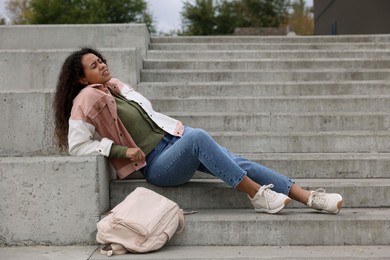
x=214, y=194
x=268, y=54
x=326, y=165
x=272, y=104
x=291, y=227
x=38, y=139
x=317, y=165
x=26, y=123
x=267, y=46
x=65, y=36
x=293, y=95
x=305, y=142
x=274, y=39
x=164, y=75
x=260, y=252
x=54, y=200
x=154, y=90
x=34, y=73
x=266, y=64
x=214, y=121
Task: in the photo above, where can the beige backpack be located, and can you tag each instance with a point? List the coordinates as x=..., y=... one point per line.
x=143, y=222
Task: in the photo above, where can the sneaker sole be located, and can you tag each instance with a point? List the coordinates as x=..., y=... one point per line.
x=273, y=211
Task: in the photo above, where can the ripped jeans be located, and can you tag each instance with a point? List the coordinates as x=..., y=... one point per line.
x=175, y=160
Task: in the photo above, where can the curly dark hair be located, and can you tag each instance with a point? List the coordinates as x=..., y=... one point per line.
x=68, y=86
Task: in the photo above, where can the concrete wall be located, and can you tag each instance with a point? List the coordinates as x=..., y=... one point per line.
x=47, y=198
x=39, y=69
x=29, y=76
x=52, y=200
x=31, y=55
x=75, y=36
x=27, y=124
x=351, y=17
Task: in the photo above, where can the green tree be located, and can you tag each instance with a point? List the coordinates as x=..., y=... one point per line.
x=301, y=19
x=205, y=17
x=199, y=18
x=85, y=11
x=19, y=11
x=228, y=16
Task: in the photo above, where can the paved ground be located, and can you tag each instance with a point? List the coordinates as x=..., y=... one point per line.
x=47, y=253
x=172, y=252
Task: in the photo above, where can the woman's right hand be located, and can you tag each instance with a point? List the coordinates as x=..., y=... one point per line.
x=135, y=154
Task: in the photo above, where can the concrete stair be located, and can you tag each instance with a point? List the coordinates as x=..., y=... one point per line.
x=49, y=198
x=219, y=196
x=309, y=107
x=268, y=54
x=313, y=108
x=32, y=66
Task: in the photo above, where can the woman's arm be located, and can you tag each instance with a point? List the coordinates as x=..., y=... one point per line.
x=83, y=140
x=133, y=154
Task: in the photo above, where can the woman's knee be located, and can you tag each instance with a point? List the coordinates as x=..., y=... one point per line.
x=198, y=133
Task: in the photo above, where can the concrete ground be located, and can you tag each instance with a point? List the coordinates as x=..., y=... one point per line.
x=47, y=252
x=173, y=252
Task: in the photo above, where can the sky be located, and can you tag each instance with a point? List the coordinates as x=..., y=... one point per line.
x=166, y=13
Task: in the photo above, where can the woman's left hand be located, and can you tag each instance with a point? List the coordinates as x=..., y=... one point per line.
x=135, y=154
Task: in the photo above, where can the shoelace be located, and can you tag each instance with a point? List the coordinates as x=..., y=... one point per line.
x=317, y=198
x=269, y=195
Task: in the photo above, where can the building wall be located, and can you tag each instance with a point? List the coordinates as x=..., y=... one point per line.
x=351, y=17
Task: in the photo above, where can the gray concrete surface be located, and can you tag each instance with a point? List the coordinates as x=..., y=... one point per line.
x=313, y=166
x=267, y=46
x=205, y=252
x=306, y=142
x=267, y=54
x=274, y=39
x=263, y=89
x=254, y=122
x=272, y=104
x=165, y=75
x=269, y=64
x=27, y=123
x=357, y=192
x=30, y=69
x=72, y=193
x=47, y=253
x=52, y=200
x=72, y=37
x=361, y=226
x=31, y=112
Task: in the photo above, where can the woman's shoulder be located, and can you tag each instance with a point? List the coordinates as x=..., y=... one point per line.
x=118, y=86
x=87, y=98
x=90, y=92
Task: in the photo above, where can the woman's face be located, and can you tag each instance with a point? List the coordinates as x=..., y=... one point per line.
x=95, y=70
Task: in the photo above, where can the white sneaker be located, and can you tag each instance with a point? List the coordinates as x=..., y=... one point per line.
x=320, y=200
x=267, y=200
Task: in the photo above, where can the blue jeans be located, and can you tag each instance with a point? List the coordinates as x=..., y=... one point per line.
x=175, y=160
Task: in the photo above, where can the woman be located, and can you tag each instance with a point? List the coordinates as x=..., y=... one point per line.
x=95, y=114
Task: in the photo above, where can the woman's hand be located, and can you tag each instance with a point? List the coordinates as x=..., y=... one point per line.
x=135, y=154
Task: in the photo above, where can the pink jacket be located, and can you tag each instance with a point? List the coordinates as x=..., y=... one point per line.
x=94, y=124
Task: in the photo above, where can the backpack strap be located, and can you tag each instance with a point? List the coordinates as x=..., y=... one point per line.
x=113, y=249
x=181, y=226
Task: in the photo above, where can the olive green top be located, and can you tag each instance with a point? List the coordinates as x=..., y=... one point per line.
x=145, y=133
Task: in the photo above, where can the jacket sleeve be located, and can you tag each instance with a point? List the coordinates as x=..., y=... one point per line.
x=83, y=139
